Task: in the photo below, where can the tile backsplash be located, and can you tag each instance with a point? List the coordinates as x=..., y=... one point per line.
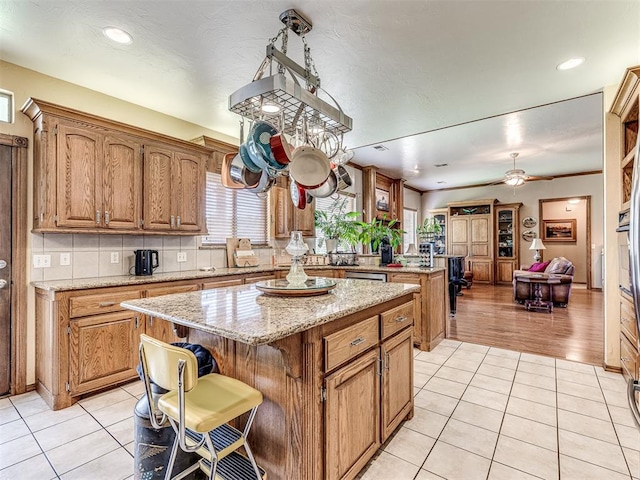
x=91, y=255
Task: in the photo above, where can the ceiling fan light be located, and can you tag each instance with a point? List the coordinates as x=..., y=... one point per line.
x=514, y=181
x=117, y=35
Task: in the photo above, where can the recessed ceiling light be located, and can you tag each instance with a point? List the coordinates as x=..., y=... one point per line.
x=571, y=63
x=117, y=35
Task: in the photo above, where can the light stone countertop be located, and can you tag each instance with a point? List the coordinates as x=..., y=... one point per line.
x=122, y=280
x=245, y=314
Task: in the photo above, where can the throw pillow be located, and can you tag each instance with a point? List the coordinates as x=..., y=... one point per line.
x=538, y=267
x=558, y=265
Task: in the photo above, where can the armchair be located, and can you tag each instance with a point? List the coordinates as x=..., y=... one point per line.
x=559, y=269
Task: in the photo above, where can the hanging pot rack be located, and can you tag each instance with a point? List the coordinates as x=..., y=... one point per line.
x=299, y=108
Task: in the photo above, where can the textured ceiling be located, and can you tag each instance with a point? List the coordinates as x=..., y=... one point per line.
x=398, y=68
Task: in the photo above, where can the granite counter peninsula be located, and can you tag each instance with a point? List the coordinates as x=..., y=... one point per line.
x=336, y=370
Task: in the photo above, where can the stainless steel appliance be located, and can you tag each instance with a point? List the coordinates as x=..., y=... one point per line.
x=146, y=261
x=380, y=277
x=634, y=268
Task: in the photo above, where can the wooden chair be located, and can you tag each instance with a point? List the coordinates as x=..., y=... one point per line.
x=199, y=410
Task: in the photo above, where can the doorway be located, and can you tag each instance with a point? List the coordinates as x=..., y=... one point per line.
x=576, y=212
x=13, y=246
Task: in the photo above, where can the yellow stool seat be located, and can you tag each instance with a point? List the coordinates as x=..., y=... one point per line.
x=216, y=399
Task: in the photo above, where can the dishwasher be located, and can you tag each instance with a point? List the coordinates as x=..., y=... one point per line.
x=380, y=277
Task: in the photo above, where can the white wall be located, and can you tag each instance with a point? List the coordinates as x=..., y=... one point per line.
x=529, y=194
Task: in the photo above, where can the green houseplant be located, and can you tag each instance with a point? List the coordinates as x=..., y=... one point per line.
x=372, y=233
x=428, y=230
x=337, y=224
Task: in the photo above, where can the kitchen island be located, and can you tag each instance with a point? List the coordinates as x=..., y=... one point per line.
x=336, y=370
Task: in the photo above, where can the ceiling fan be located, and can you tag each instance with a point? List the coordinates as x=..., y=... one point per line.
x=516, y=176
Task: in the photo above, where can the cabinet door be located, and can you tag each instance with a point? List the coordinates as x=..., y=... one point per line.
x=157, y=188
x=79, y=160
x=280, y=210
x=103, y=350
x=480, y=234
x=459, y=236
x=122, y=183
x=187, y=188
x=162, y=330
x=482, y=271
x=504, y=271
x=352, y=422
x=304, y=220
x=397, y=381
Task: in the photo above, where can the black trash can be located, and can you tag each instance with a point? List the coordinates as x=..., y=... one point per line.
x=153, y=446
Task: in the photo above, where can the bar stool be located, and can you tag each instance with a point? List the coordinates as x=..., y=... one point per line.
x=199, y=410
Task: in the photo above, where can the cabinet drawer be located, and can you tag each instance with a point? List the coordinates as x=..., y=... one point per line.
x=345, y=344
x=159, y=291
x=396, y=319
x=628, y=321
x=258, y=278
x=628, y=357
x=100, y=303
x=405, y=278
x=227, y=282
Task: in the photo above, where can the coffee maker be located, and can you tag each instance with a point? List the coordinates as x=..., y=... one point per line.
x=386, y=252
x=146, y=261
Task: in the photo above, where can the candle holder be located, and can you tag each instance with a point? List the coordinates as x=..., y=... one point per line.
x=296, y=248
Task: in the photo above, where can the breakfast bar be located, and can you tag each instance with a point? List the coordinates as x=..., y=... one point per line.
x=335, y=369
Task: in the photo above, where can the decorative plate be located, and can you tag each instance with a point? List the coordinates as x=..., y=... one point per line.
x=529, y=235
x=529, y=222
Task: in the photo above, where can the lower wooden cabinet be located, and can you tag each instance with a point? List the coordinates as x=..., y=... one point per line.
x=482, y=270
x=397, y=381
x=103, y=350
x=352, y=425
x=367, y=398
x=504, y=271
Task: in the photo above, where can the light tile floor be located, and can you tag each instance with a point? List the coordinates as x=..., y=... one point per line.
x=481, y=412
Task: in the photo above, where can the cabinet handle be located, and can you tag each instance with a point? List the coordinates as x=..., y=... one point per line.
x=400, y=319
x=106, y=304
x=98, y=217
x=178, y=221
x=173, y=221
x=106, y=218
x=357, y=341
x=386, y=361
x=151, y=321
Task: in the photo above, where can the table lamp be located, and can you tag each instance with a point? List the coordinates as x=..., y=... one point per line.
x=537, y=245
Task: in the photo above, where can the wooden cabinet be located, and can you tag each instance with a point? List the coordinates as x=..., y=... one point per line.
x=163, y=329
x=507, y=241
x=441, y=215
x=376, y=188
x=286, y=218
x=352, y=421
x=92, y=174
x=430, y=314
x=626, y=105
x=371, y=392
x=103, y=350
x=397, y=374
x=173, y=190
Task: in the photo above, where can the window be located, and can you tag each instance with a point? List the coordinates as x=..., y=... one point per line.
x=234, y=213
x=6, y=106
x=409, y=221
x=325, y=205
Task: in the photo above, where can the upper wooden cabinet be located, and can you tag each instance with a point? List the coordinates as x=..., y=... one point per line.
x=173, y=190
x=286, y=218
x=95, y=175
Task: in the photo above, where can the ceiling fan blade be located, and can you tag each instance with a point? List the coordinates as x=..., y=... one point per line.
x=535, y=177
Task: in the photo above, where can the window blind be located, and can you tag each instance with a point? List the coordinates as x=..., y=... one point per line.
x=234, y=213
x=409, y=220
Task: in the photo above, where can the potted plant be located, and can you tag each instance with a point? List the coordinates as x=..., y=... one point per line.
x=337, y=225
x=372, y=233
x=429, y=229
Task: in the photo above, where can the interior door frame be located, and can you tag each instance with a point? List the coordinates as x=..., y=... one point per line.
x=19, y=220
x=542, y=201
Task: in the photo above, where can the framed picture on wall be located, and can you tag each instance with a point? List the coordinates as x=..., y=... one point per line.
x=559, y=230
x=382, y=200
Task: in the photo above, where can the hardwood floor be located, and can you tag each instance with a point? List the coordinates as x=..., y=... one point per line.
x=488, y=315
